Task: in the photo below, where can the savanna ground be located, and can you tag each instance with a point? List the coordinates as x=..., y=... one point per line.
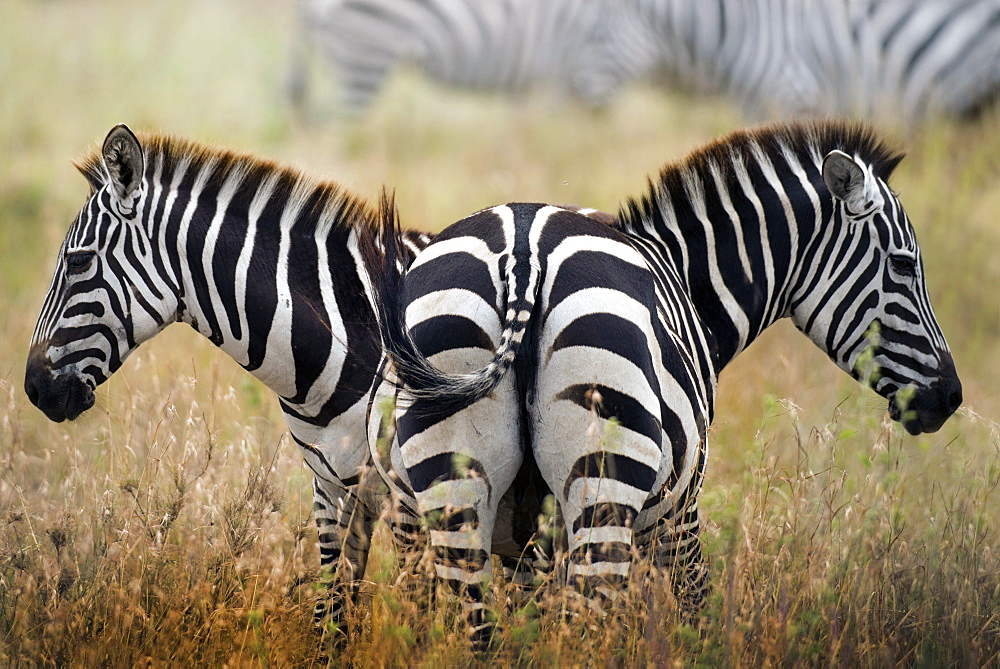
x=171, y=523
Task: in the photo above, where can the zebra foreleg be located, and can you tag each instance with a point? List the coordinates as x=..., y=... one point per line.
x=675, y=544
x=677, y=549
x=344, y=522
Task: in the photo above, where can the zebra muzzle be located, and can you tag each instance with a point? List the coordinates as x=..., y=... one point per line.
x=928, y=409
x=60, y=397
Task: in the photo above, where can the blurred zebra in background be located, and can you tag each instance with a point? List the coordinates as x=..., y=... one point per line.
x=527, y=332
x=504, y=45
x=895, y=60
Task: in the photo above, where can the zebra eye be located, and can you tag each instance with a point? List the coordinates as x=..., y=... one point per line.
x=903, y=265
x=78, y=261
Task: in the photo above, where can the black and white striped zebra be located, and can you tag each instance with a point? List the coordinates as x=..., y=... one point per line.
x=901, y=60
x=504, y=45
x=258, y=258
x=527, y=331
x=261, y=260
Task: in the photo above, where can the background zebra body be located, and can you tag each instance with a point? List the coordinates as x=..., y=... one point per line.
x=498, y=45
x=259, y=259
x=597, y=349
x=902, y=60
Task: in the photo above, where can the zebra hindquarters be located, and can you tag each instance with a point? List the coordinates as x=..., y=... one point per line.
x=459, y=467
x=595, y=430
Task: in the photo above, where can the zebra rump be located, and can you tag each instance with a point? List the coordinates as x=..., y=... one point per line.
x=449, y=393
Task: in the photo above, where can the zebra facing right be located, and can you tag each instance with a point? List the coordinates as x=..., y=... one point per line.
x=598, y=348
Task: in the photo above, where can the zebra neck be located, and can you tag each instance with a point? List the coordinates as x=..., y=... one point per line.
x=274, y=281
x=734, y=239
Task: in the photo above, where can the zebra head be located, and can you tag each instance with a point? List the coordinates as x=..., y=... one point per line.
x=867, y=305
x=101, y=303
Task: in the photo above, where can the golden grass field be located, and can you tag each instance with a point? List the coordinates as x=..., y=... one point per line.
x=170, y=525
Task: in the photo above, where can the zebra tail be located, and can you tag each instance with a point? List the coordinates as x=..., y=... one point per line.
x=439, y=392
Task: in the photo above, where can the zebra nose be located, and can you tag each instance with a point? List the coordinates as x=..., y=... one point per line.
x=31, y=389
x=955, y=399
x=36, y=376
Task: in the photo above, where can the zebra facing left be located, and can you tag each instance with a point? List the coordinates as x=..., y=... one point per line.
x=527, y=332
x=258, y=258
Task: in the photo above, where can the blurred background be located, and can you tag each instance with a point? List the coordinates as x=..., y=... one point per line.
x=569, y=103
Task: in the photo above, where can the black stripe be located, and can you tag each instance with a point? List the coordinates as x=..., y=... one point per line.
x=608, y=551
x=196, y=240
x=585, y=269
x=457, y=270
x=613, y=466
x=449, y=556
x=604, y=514
x=311, y=334
x=441, y=467
x=447, y=332
x=95, y=309
x=262, y=290
x=626, y=410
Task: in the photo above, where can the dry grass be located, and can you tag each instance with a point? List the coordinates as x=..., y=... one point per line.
x=171, y=524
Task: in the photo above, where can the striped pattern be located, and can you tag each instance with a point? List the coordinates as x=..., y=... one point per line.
x=258, y=258
x=529, y=332
x=265, y=263
x=900, y=60
x=504, y=45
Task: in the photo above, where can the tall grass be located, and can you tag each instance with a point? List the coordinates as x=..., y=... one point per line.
x=171, y=523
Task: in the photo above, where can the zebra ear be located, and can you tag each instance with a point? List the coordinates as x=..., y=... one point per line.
x=844, y=178
x=123, y=160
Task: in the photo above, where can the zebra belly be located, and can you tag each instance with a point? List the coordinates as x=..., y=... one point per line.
x=339, y=447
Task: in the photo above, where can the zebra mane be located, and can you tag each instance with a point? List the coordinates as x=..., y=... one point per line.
x=327, y=199
x=806, y=142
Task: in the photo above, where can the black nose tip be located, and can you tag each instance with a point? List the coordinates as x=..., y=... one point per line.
x=31, y=390
x=954, y=400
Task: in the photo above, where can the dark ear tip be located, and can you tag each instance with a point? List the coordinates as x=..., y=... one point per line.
x=120, y=132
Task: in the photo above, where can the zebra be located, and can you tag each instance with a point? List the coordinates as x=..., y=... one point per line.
x=526, y=331
x=265, y=263
x=905, y=60
x=499, y=45
x=258, y=258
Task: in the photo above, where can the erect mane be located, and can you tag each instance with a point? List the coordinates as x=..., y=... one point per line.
x=808, y=142
x=169, y=152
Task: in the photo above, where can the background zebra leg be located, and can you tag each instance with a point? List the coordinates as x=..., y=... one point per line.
x=524, y=532
x=344, y=523
x=519, y=574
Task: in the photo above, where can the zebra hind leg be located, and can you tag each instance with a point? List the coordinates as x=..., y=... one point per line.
x=457, y=514
x=601, y=492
